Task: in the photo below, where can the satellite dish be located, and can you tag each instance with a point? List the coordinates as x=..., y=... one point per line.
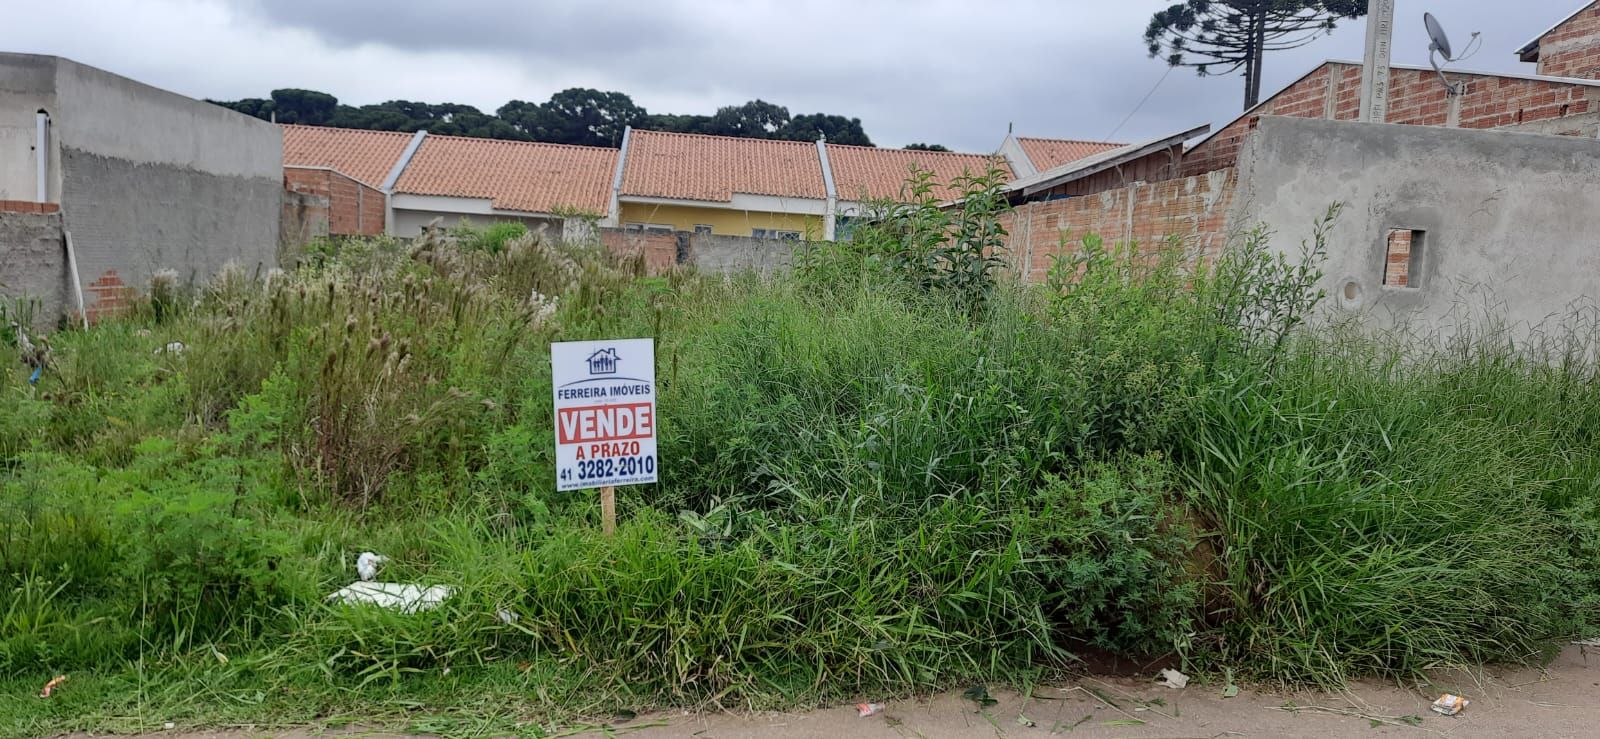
x=1441, y=40
x=1440, y=44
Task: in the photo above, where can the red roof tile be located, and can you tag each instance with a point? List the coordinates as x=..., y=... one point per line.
x=686, y=166
x=367, y=156
x=1048, y=153
x=868, y=173
x=516, y=175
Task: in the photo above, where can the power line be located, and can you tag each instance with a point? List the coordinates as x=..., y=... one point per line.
x=1140, y=106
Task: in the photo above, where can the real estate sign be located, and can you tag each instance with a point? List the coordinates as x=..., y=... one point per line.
x=605, y=413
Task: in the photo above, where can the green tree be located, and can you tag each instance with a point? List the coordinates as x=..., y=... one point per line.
x=306, y=107
x=576, y=116
x=1224, y=36
x=926, y=147
x=757, y=119
x=678, y=123
x=837, y=128
x=573, y=116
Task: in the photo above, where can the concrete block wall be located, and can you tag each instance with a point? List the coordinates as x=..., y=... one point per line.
x=705, y=252
x=146, y=179
x=1508, y=221
x=304, y=218
x=354, y=208
x=33, y=260
x=1191, y=210
x=734, y=254
x=1333, y=92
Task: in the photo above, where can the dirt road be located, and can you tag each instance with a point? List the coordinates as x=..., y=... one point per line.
x=1562, y=700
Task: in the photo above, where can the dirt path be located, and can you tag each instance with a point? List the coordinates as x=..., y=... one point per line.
x=1563, y=700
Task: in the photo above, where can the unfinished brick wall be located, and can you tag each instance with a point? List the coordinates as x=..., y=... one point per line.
x=1397, y=262
x=1572, y=49
x=1333, y=91
x=108, y=296
x=354, y=208
x=28, y=206
x=660, y=250
x=1192, y=210
x=1155, y=167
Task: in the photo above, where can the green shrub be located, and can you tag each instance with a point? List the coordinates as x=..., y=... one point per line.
x=1113, y=549
x=491, y=238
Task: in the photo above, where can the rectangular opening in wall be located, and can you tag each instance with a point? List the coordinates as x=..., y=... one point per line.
x=1403, y=257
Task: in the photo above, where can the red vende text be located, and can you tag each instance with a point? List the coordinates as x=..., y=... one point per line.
x=605, y=423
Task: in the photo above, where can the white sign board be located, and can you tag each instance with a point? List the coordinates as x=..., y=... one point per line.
x=605, y=413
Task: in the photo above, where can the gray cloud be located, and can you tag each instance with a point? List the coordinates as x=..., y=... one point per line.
x=944, y=71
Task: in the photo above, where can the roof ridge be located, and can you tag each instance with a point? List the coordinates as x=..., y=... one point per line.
x=1070, y=141
x=432, y=136
x=685, y=134
x=917, y=152
x=309, y=127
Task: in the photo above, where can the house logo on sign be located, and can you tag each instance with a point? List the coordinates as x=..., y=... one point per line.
x=603, y=362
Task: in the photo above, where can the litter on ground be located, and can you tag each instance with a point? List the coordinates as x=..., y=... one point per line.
x=402, y=597
x=1173, y=679
x=867, y=709
x=1450, y=705
x=367, y=565
x=54, y=683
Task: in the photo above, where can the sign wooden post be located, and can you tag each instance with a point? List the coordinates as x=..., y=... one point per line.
x=608, y=510
x=605, y=418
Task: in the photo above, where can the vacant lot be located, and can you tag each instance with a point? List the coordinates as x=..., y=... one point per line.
x=890, y=472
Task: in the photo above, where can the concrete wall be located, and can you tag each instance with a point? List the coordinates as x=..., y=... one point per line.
x=734, y=254
x=1511, y=221
x=33, y=263
x=147, y=179
x=27, y=85
x=304, y=218
x=409, y=223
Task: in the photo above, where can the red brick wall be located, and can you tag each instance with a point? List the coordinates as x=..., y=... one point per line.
x=354, y=209
x=108, y=296
x=1161, y=165
x=660, y=250
x=1416, y=98
x=28, y=206
x=1191, y=209
x=1573, y=48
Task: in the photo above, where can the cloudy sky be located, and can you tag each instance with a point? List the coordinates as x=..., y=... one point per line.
x=954, y=72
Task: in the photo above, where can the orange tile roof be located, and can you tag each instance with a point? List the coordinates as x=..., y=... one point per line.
x=367, y=156
x=866, y=173
x=686, y=166
x=1048, y=153
x=516, y=175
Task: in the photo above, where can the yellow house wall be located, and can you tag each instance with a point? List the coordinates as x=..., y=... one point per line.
x=723, y=221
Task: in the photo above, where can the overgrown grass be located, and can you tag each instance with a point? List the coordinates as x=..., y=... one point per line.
x=891, y=471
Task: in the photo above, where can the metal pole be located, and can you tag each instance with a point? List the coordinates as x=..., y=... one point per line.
x=1375, y=70
x=41, y=156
